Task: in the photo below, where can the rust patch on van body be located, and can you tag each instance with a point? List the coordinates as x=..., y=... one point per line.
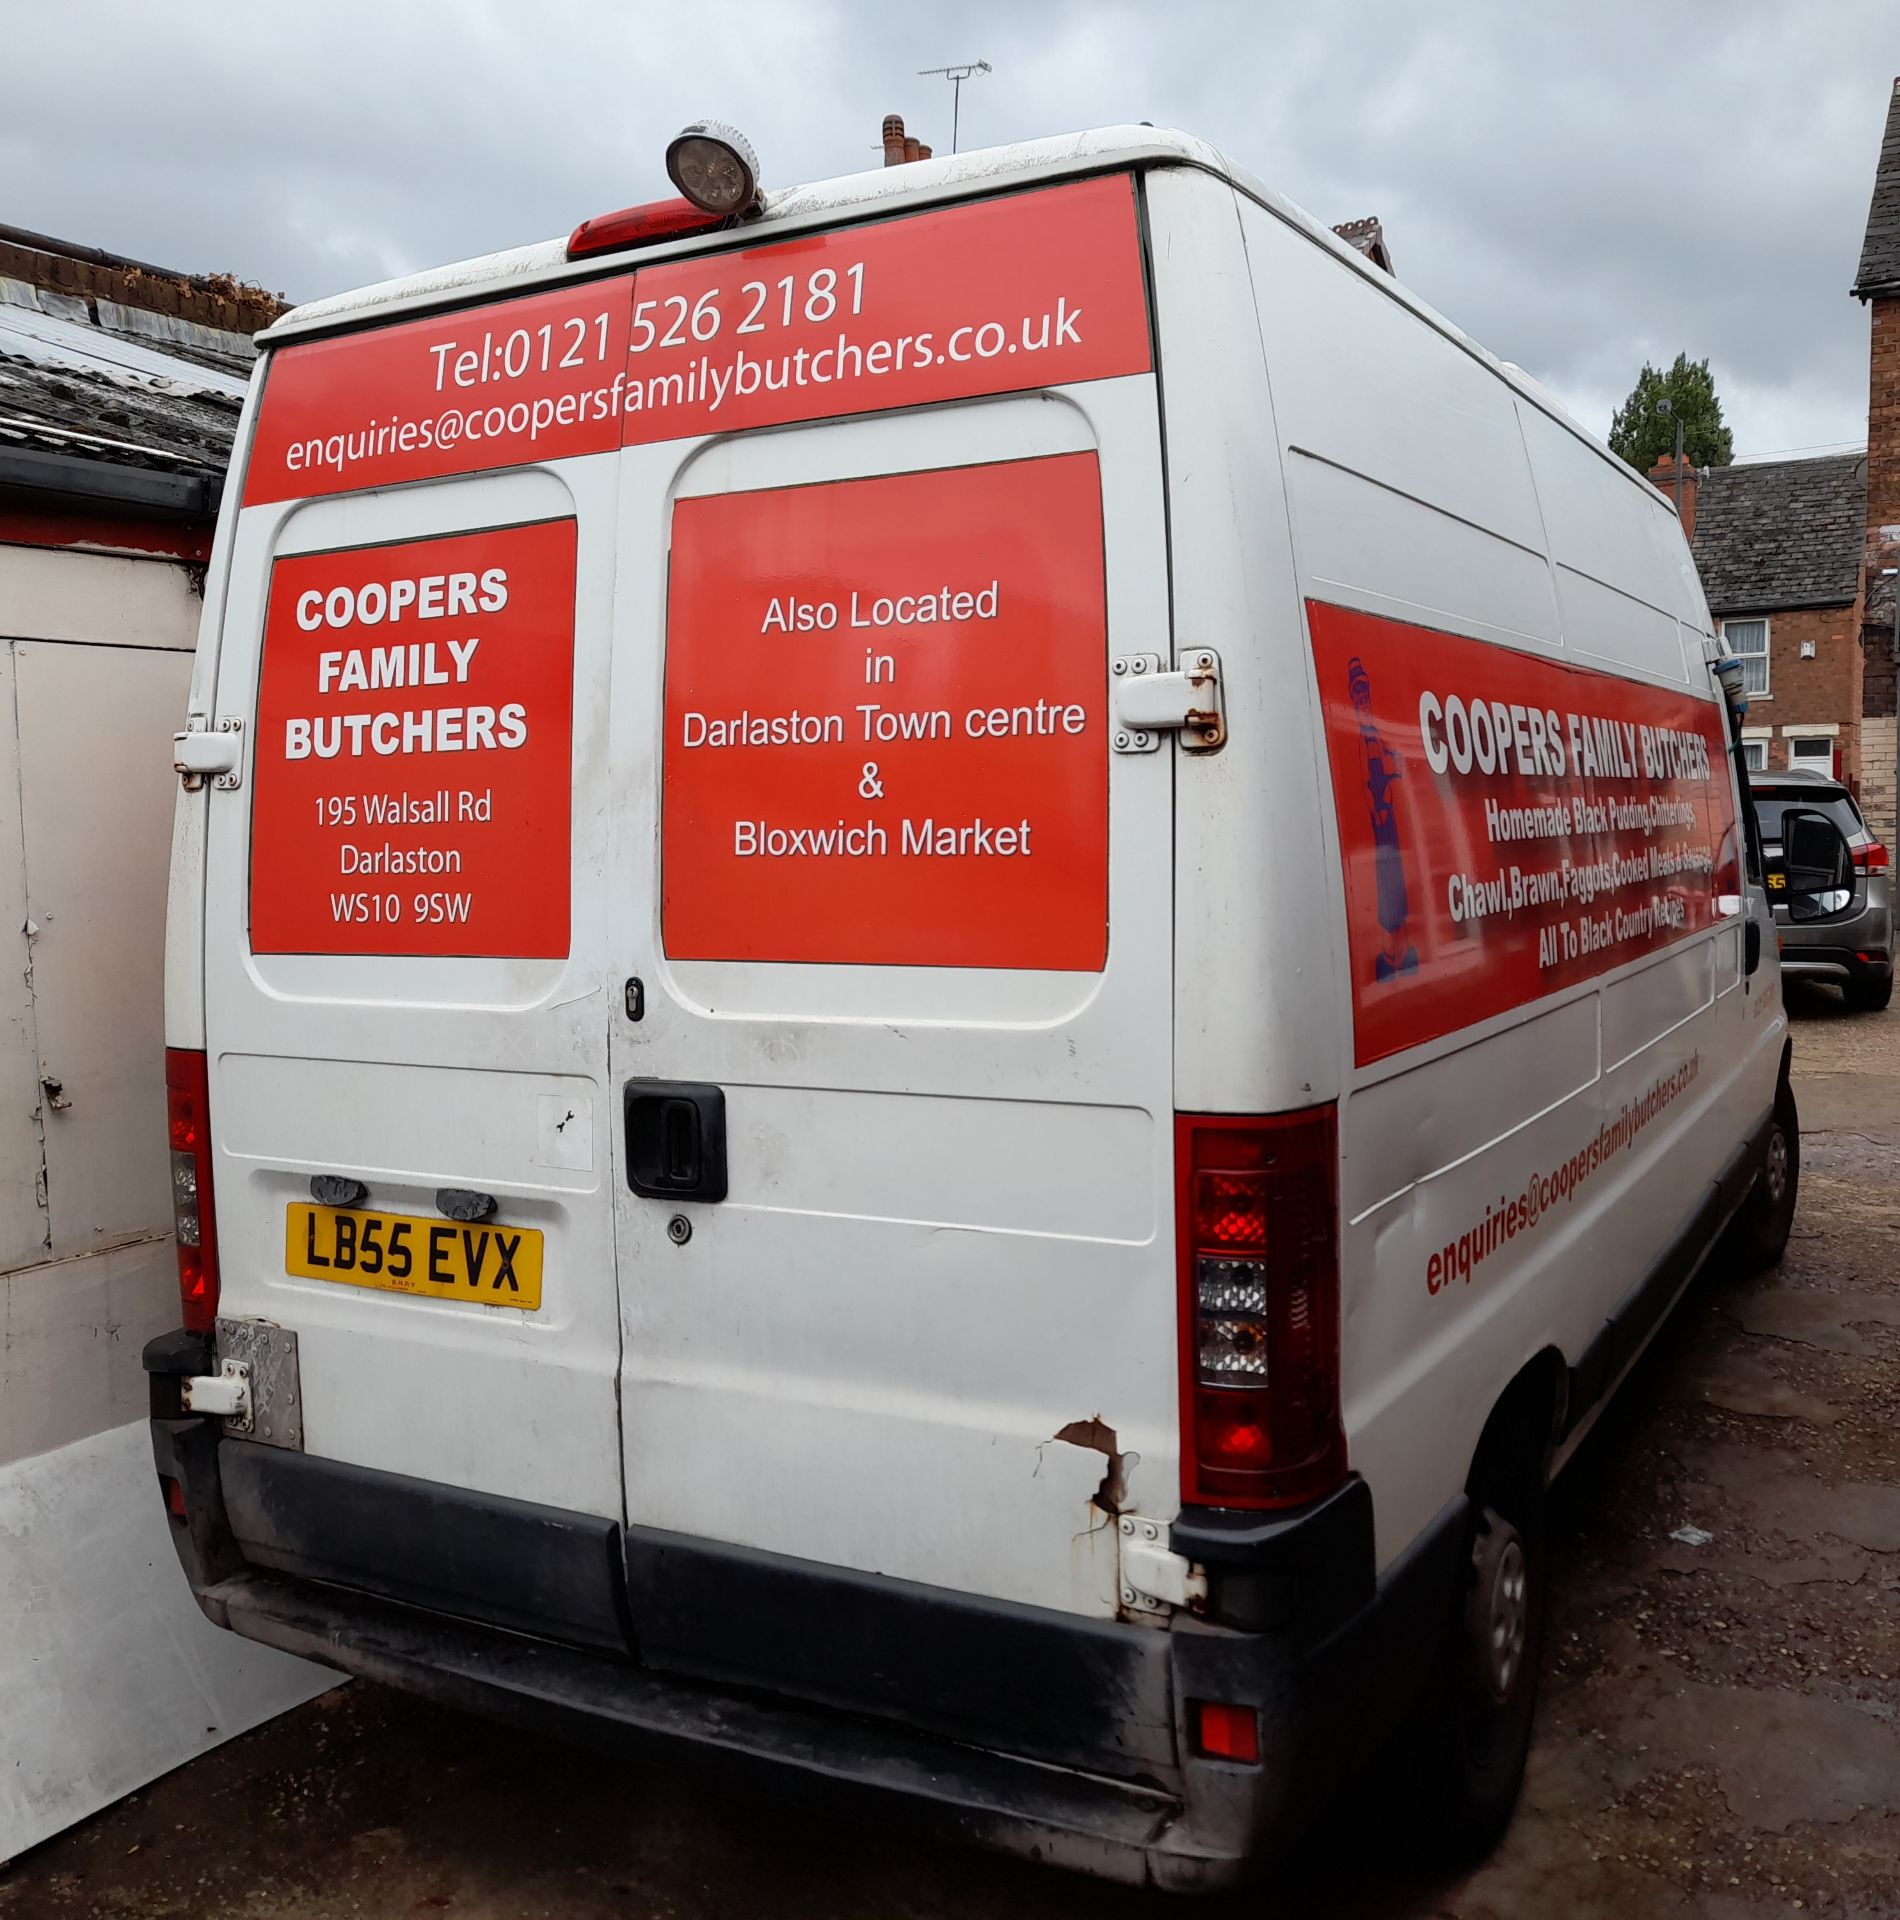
x=1111, y=1497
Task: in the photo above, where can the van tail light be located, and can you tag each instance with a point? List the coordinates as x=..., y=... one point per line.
x=194, y=1219
x=641, y=226
x=1226, y=1732
x=1258, y=1223
x=1871, y=858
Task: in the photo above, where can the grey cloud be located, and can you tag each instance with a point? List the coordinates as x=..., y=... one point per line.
x=1579, y=188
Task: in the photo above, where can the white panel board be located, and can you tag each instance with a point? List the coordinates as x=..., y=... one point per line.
x=95, y=726
x=109, y=1675
x=22, y=1217
x=54, y=593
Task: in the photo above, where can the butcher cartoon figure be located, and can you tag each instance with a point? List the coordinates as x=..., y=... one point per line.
x=1383, y=772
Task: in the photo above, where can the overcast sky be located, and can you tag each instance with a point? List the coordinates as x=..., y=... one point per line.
x=1579, y=195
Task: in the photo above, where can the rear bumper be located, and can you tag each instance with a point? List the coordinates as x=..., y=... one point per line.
x=1039, y=1733
x=1810, y=961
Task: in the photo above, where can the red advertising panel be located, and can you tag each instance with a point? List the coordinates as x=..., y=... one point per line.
x=1031, y=290
x=1508, y=826
x=1028, y=290
x=538, y=378
x=414, y=723
x=886, y=717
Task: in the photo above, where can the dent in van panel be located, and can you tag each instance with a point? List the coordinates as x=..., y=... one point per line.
x=1642, y=1007
x=1604, y=624
x=1423, y=1122
x=1402, y=557
x=1360, y=381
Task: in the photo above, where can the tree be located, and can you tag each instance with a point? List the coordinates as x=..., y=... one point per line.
x=1643, y=432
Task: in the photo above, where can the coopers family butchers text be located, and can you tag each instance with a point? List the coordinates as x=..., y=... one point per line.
x=472, y=728
x=1491, y=736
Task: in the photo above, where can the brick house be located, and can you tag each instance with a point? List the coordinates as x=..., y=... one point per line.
x=1778, y=546
x=1877, y=286
x=1800, y=559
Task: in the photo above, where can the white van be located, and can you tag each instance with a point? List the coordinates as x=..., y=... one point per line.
x=948, y=977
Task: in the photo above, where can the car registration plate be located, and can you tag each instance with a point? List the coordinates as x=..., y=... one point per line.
x=494, y=1266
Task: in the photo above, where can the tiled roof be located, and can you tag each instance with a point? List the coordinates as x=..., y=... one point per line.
x=1880, y=252
x=1779, y=534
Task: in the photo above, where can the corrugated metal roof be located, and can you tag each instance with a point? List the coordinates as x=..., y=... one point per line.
x=127, y=394
x=1880, y=251
x=1780, y=534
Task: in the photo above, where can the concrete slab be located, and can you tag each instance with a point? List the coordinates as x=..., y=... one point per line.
x=109, y=1675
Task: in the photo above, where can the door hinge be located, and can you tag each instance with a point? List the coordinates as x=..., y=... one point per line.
x=1154, y=1579
x=226, y=1393
x=202, y=750
x=1151, y=699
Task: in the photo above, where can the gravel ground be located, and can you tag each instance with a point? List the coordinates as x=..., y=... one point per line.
x=1719, y=1734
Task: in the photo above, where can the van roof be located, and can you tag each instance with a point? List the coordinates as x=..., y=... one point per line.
x=887, y=190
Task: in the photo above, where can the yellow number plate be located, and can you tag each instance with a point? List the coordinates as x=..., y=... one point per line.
x=440, y=1259
x=1777, y=883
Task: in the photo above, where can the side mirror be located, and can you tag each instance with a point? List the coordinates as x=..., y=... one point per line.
x=1814, y=853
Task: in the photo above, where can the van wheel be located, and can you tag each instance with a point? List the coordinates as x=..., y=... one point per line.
x=1869, y=996
x=1758, y=1235
x=1463, y=1759
x=1478, y=1732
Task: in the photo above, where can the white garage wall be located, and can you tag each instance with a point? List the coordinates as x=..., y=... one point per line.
x=95, y=657
x=109, y=1675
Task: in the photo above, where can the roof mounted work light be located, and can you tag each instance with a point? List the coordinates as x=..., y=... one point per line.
x=714, y=166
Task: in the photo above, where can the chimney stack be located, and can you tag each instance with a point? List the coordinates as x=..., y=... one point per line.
x=900, y=146
x=1662, y=476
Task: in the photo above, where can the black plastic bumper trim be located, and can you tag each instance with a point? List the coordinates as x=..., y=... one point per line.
x=508, y=1562
x=1326, y=1694
x=1306, y=1568
x=178, y=1352
x=1054, y=1814
x=1076, y=1692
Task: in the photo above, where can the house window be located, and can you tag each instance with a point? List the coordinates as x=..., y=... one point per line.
x=1811, y=750
x=1755, y=755
x=1748, y=641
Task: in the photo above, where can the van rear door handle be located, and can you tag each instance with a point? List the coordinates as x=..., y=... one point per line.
x=676, y=1140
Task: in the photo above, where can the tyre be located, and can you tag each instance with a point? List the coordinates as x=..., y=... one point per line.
x=1460, y=1765
x=1758, y=1235
x=1869, y=996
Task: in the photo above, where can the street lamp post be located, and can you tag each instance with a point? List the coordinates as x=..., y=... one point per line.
x=1664, y=406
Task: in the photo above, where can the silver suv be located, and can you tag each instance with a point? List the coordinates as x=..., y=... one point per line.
x=1845, y=936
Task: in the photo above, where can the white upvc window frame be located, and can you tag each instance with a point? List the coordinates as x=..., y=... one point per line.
x=1755, y=748
x=1766, y=690
x=1819, y=730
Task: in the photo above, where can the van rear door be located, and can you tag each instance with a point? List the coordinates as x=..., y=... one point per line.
x=406, y=963
x=892, y=1076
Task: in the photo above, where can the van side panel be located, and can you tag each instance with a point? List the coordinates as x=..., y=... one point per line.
x=1256, y=864
x=1423, y=487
